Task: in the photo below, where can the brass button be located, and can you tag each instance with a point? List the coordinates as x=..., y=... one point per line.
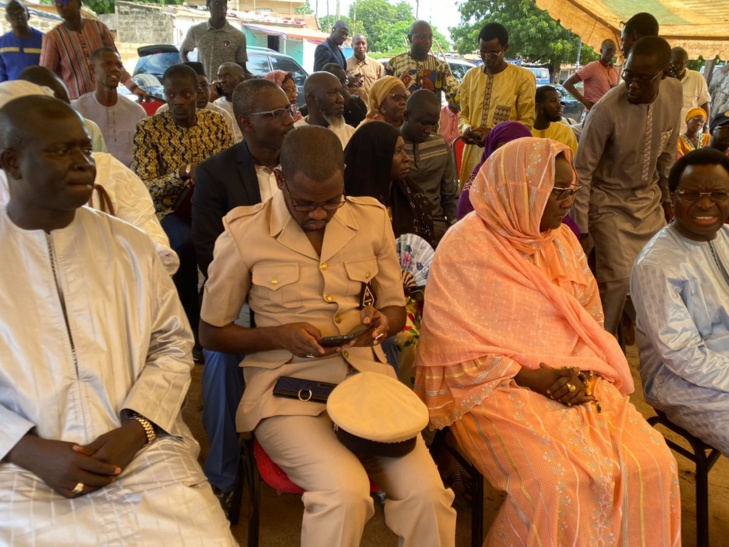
x=274, y=281
x=323, y=266
x=345, y=353
x=329, y=298
x=367, y=275
x=337, y=319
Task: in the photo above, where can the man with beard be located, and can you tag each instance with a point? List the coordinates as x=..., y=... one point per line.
x=355, y=108
x=229, y=76
x=95, y=359
x=115, y=115
x=167, y=147
x=626, y=151
x=241, y=175
x=325, y=104
x=548, y=118
x=598, y=77
x=328, y=51
x=493, y=93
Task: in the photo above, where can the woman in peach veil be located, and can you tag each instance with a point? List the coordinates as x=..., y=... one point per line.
x=514, y=358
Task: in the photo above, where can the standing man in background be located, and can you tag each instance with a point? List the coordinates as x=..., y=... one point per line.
x=364, y=69
x=695, y=89
x=329, y=50
x=216, y=40
x=68, y=47
x=21, y=47
x=548, y=118
x=493, y=93
x=418, y=69
x=599, y=77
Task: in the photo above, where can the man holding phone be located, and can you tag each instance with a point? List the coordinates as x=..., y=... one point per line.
x=312, y=265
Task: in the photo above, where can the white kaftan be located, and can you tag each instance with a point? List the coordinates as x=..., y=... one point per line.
x=91, y=326
x=681, y=297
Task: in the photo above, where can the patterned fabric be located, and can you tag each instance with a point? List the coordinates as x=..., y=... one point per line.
x=432, y=74
x=68, y=54
x=685, y=145
x=19, y=53
x=572, y=475
x=161, y=148
x=487, y=100
x=681, y=303
x=216, y=46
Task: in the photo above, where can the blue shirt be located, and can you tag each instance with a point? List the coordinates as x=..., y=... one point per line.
x=16, y=53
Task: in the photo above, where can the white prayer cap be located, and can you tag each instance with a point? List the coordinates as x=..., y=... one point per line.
x=20, y=88
x=376, y=414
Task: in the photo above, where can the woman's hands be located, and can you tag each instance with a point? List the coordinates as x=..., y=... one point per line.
x=563, y=385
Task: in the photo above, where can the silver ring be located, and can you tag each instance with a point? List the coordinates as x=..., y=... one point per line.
x=78, y=488
x=311, y=356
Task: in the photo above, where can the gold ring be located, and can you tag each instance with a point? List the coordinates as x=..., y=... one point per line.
x=78, y=488
x=571, y=388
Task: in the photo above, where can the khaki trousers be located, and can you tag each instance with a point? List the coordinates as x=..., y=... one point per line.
x=337, y=499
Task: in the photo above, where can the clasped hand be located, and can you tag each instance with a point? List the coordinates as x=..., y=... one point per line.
x=562, y=385
x=302, y=339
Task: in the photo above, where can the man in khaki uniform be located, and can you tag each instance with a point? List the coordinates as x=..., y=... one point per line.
x=301, y=261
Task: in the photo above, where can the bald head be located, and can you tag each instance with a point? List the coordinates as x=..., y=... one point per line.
x=312, y=151
x=318, y=81
x=420, y=26
x=40, y=75
x=25, y=117
x=655, y=47
x=421, y=116
x=608, y=49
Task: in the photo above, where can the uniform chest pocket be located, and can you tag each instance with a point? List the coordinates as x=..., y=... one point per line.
x=359, y=272
x=279, y=283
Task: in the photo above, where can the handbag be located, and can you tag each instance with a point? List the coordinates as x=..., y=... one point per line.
x=302, y=389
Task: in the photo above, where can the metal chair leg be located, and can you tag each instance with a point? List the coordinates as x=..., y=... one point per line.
x=254, y=494
x=476, y=508
x=240, y=481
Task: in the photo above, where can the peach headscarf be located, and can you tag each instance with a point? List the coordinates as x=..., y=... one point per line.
x=504, y=295
x=379, y=90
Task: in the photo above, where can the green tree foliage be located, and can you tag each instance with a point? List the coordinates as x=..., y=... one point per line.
x=305, y=9
x=533, y=35
x=385, y=25
x=327, y=22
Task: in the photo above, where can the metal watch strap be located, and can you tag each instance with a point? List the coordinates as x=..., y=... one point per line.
x=147, y=425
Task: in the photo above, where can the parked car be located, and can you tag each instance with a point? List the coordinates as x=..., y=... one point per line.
x=154, y=60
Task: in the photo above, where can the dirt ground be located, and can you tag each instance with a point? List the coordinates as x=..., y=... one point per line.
x=281, y=514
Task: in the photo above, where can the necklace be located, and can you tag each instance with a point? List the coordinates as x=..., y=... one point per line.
x=719, y=264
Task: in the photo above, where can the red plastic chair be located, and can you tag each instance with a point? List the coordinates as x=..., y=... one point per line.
x=151, y=107
x=257, y=465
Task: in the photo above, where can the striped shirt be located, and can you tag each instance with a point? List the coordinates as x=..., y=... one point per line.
x=18, y=53
x=68, y=54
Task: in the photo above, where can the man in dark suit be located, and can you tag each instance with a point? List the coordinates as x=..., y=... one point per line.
x=240, y=175
x=328, y=51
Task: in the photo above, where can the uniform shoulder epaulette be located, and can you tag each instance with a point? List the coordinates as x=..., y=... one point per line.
x=243, y=211
x=365, y=200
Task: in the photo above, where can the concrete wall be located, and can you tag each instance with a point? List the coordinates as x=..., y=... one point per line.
x=144, y=23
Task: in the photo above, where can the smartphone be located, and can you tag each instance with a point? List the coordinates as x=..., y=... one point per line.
x=334, y=341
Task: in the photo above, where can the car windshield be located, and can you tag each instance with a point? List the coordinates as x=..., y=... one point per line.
x=156, y=64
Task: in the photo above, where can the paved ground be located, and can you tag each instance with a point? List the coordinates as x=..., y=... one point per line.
x=281, y=514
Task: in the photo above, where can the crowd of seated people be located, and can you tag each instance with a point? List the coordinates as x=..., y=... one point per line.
x=260, y=232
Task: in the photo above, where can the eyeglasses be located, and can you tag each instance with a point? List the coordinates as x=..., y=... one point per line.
x=641, y=79
x=565, y=193
x=421, y=36
x=690, y=196
x=398, y=97
x=280, y=113
x=309, y=207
